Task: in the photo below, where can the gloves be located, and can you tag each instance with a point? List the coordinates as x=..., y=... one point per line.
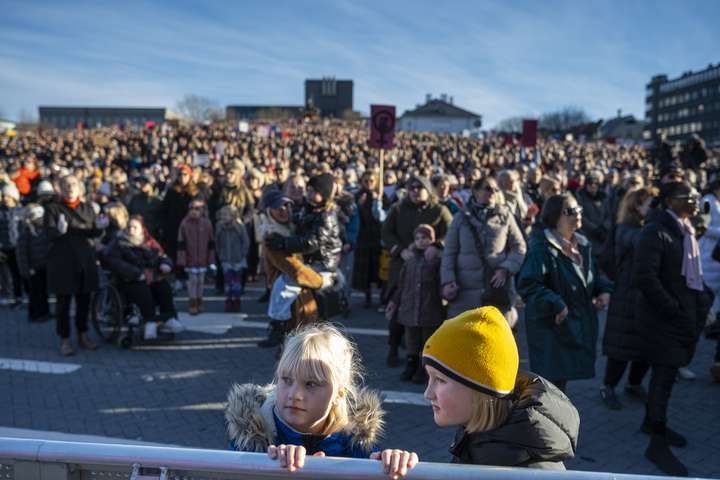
x=275, y=242
x=62, y=224
x=450, y=291
x=165, y=268
x=102, y=222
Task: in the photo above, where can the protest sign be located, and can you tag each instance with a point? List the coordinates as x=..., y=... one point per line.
x=382, y=127
x=529, y=133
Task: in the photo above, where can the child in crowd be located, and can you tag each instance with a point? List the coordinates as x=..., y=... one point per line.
x=504, y=418
x=317, y=238
x=315, y=406
x=195, y=252
x=231, y=246
x=33, y=248
x=10, y=218
x=418, y=301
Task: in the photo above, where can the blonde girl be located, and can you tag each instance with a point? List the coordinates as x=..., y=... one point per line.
x=314, y=406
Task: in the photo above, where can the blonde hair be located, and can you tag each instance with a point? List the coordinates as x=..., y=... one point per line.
x=323, y=354
x=488, y=412
x=117, y=214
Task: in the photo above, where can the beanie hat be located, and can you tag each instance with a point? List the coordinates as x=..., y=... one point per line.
x=425, y=229
x=324, y=184
x=45, y=188
x=10, y=190
x=476, y=349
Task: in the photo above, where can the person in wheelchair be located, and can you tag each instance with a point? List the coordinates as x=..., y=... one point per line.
x=139, y=267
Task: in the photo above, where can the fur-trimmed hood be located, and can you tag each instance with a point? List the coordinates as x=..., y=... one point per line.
x=251, y=424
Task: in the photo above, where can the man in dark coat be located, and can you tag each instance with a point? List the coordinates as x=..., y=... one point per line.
x=71, y=266
x=670, y=309
x=420, y=206
x=596, y=222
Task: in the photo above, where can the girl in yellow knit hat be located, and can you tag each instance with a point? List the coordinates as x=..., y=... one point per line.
x=504, y=417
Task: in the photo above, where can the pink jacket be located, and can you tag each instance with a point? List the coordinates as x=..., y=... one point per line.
x=196, y=245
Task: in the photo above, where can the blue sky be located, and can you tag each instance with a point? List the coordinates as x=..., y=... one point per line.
x=496, y=58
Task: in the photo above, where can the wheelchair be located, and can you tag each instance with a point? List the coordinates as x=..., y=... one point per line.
x=114, y=319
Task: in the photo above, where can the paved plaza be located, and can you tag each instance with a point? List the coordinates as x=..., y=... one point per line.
x=173, y=393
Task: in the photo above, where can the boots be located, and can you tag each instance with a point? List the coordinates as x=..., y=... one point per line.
x=276, y=334
x=198, y=304
x=392, y=358
x=237, y=305
x=658, y=452
x=192, y=306
x=410, y=367
x=86, y=343
x=420, y=375
x=229, y=305
x=674, y=439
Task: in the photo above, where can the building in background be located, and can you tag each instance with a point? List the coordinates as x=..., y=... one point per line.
x=685, y=105
x=329, y=97
x=439, y=115
x=623, y=128
x=91, y=117
x=235, y=113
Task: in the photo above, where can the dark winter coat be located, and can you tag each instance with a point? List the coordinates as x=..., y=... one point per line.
x=549, y=282
x=418, y=299
x=670, y=316
x=173, y=209
x=596, y=220
x=367, y=248
x=127, y=261
x=398, y=228
x=252, y=424
x=317, y=236
x=541, y=432
x=622, y=340
x=72, y=263
x=32, y=249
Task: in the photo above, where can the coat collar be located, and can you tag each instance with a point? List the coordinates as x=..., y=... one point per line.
x=582, y=272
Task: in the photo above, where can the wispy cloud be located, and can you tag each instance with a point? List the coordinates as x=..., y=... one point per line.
x=499, y=59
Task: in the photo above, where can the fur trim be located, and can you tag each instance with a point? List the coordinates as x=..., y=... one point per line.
x=246, y=424
x=366, y=419
x=251, y=426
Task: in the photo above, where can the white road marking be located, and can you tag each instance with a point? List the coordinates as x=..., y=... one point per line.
x=35, y=366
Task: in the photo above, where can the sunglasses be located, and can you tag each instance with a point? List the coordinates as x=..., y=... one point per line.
x=572, y=211
x=415, y=186
x=491, y=189
x=689, y=198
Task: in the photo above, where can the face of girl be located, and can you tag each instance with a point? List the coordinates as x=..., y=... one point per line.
x=281, y=214
x=135, y=228
x=422, y=241
x=196, y=209
x=451, y=401
x=304, y=403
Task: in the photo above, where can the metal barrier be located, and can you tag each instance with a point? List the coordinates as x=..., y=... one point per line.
x=26, y=459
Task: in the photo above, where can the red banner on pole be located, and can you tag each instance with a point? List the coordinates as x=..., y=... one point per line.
x=529, y=133
x=382, y=127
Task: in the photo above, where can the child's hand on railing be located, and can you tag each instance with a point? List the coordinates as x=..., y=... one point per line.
x=396, y=462
x=291, y=457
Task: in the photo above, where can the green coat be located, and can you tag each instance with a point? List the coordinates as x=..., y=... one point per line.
x=549, y=281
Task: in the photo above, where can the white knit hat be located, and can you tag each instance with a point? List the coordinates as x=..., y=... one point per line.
x=45, y=188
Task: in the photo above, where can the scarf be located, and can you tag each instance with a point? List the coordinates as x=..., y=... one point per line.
x=72, y=203
x=569, y=248
x=691, y=267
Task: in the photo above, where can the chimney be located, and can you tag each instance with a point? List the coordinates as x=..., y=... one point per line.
x=451, y=100
x=619, y=112
x=443, y=97
x=428, y=97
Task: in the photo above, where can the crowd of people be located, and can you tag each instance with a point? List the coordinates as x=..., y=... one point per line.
x=563, y=229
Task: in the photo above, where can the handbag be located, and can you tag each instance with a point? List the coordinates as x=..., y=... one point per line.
x=499, y=297
x=329, y=303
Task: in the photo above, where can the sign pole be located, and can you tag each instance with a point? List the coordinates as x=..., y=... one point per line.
x=381, y=178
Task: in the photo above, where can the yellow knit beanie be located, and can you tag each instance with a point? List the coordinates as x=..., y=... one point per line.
x=476, y=349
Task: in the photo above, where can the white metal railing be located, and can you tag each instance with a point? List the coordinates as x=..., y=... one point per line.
x=31, y=459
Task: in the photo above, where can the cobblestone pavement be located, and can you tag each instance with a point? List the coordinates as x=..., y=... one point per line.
x=173, y=392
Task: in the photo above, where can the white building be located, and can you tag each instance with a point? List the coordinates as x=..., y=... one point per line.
x=439, y=115
x=6, y=125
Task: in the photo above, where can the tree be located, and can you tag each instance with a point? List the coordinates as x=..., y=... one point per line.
x=200, y=109
x=563, y=119
x=510, y=125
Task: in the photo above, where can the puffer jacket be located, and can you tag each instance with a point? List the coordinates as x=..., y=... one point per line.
x=541, y=432
x=32, y=249
x=231, y=242
x=503, y=244
x=127, y=261
x=418, y=293
x=318, y=238
x=252, y=424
